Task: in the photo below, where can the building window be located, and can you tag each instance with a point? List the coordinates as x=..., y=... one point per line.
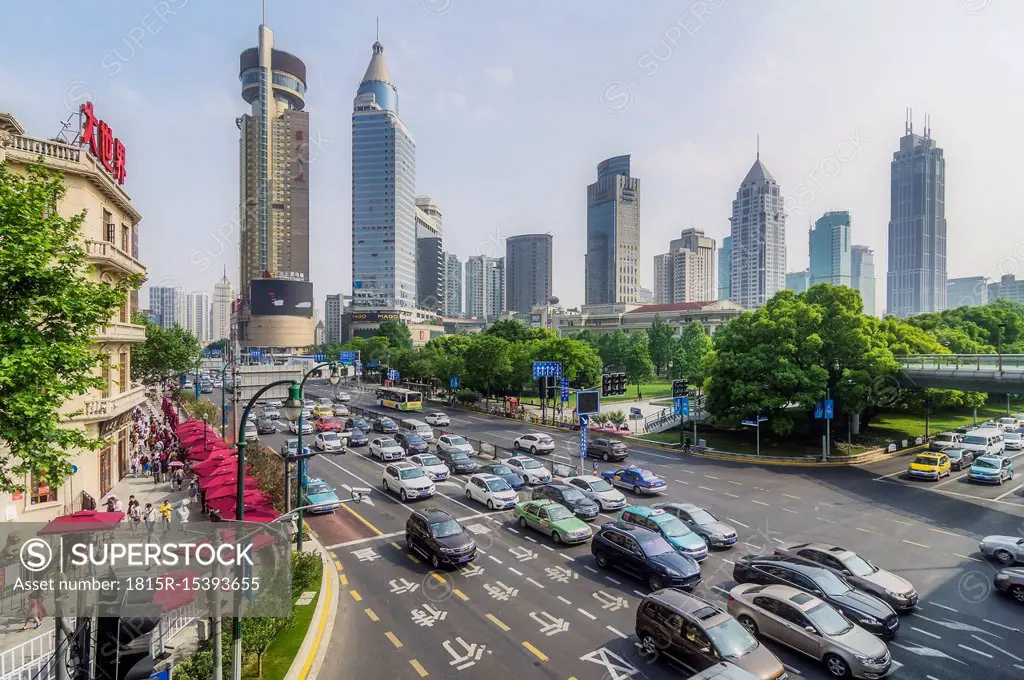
x=106, y=377
x=110, y=229
x=40, y=489
x=105, y=483
x=126, y=236
x=122, y=372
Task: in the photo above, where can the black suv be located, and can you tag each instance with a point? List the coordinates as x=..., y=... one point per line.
x=607, y=449
x=439, y=537
x=358, y=437
x=358, y=424
x=266, y=426
x=412, y=443
x=459, y=462
x=570, y=497
x=644, y=554
x=871, y=613
x=385, y=425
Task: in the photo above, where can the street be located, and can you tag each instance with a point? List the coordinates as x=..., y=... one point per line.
x=528, y=606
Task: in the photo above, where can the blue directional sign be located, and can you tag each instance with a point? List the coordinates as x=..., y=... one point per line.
x=549, y=369
x=319, y=358
x=256, y=354
x=372, y=364
x=347, y=358
x=565, y=390
x=755, y=423
x=829, y=408
x=681, y=406
x=584, y=425
x=453, y=382
x=819, y=411
x=393, y=375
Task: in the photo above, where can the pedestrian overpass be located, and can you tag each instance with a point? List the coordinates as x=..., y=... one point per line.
x=995, y=373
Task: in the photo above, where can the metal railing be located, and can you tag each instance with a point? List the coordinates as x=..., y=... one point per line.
x=27, y=659
x=169, y=626
x=975, y=362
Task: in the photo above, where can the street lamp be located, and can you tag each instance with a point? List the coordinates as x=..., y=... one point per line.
x=223, y=397
x=301, y=466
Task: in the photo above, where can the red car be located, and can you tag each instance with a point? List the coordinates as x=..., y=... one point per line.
x=328, y=424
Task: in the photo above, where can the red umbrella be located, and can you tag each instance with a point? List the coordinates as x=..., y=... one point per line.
x=262, y=515
x=225, y=469
x=190, y=426
x=205, y=454
x=212, y=463
x=83, y=520
x=225, y=485
x=200, y=438
x=253, y=500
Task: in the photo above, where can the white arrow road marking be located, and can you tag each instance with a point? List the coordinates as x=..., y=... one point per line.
x=549, y=625
x=956, y=625
x=611, y=602
x=927, y=651
x=976, y=651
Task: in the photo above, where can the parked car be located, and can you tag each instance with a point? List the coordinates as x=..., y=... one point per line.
x=639, y=480
x=385, y=425
x=458, y=462
x=945, y=440
x=328, y=424
x=432, y=465
x=898, y=592
x=991, y=470
x=321, y=495
x=669, y=527
x=386, y=449
x=529, y=469
x=411, y=442
x=453, y=442
x=607, y=449
x=329, y=442
x=492, y=491
x=810, y=626
x=553, y=519
x=599, y=491
x=645, y=555
x=439, y=538
x=959, y=459
x=570, y=497
x=534, y=442
x=697, y=634
x=716, y=534
x=1005, y=549
x=438, y=419
x=407, y=480
x=1011, y=582
x=505, y=472
x=291, y=446
x=266, y=426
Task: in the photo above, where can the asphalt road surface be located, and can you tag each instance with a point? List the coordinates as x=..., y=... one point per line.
x=526, y=606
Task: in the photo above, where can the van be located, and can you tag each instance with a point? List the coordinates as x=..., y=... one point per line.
x=987, y=442
x=420, y=428
x=945, y=440
x=1010, y=424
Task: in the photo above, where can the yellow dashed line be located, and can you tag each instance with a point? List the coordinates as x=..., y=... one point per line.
x=343, y=579
x=394, y=640
x=334, y=554
x=418, y=667
x=395, y=545
x=437, y=577
x=919, y=545
x=337, y=565
x=373, y=617
x=536, y=652
x=355, y=596
x=497, y=622
x=461, y=595
x=412, y=557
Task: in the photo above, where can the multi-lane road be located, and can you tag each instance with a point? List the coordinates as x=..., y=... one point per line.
x=528, y=606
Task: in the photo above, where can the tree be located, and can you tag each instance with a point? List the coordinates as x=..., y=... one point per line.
x=50, y=311
x=257, y=634
x=218, y=346
x=612, y=349
x=396, y=333
x=692, y=355
x=638, y=364
x=165, y=353
x=509, y=329
x=660, y=337
x=588, y=336
x=487, y=362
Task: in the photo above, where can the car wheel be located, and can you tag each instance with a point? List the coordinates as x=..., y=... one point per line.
x=837, y=668
x=601, y=559
x=655, y=582
x=649, y=647
x=1004, y=557
x=533, y=450
x=434, y=561
x=402, y=495
x=522, y=522
x=636, y=490
x=469, y=495
x=1018, y=593
x=749, y=624
x=490, y=504
x=556, y=537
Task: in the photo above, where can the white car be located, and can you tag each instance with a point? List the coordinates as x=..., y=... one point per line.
x=307, y=427
x=308, y=403
x=273, y=403
x=1006, y=549
x=218, y=384
x=408, y=481
x=432, y=465
x=492, y=491
x=324, y=401
x=271, y=412
x=342, y=396
x=329, y=442
x=386, y=448
x=599, y=491
x=1012, y=441
x=437, y=419
x=341, y=410
x=453, y=442
x=534, y=442
x=530, y=470
x=251, y=435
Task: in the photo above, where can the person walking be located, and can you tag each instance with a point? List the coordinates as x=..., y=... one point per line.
x=149, y=517
x=133, y=464
x=36, y=610
x=165, y=514
x=146, y=465
x=183, y=512
x=133, y=514
x=177, y=479
x=193, y=491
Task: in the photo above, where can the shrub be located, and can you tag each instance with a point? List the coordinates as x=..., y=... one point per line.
x=307, y=570
x=467, y=396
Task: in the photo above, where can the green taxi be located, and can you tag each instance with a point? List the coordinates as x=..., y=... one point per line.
x=553, y=519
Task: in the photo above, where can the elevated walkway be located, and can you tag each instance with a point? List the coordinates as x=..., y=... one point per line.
x=997, y=373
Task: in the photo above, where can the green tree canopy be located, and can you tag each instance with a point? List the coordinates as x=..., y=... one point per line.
x=661, y=339
x=488, y=362
x=692, y=356
x=612, y=349
x=167, y=352
x=396, y=333
x=637, y=360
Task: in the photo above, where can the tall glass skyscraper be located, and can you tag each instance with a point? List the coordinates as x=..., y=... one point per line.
x=725, y=269
x=383, y=198
x=829, y=247
x=613, y=234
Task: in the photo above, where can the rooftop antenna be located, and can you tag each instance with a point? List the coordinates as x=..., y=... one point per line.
x=759, y=147
x=378, y=29
x=911, y=129
x=264, y=12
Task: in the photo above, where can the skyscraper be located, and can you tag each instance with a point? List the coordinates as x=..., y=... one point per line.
x=1007, y=288
x=663, y=281
x=452, y=285
x=485, y=287
x=277, y=308
x=333, y=309
x=429, y=255
x=829, y=247
x=758, y=248
x=916, y=281
x=223, y=296
x=725, y=269
x=528, y=271
x=687, y=272
x=168, y=306
x=967, y=291
x=613, y=234
x=383, y=198
x=862, y=276
x=197, y=315
x=798, y=282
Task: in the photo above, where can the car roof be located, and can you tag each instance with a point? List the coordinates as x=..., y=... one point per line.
x=544, y=502
x=640, y=533
x=991, y=459
x=561, y=486
x=808, y=569
x=689, y=507
x=402, y=465
x=839, y=552
x=929, y=454
x=589, y=478
x=644, y=510
x=794, y=596
x=520, y=458
x=432, y=514
x=708, y=614
x=485, y=476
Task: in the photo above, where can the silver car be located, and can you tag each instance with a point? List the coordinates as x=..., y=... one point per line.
x=1006, y=549
x=810, y=626
x=715, y=533
x=1011, y=582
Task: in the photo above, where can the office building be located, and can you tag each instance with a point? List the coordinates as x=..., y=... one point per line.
x=223, y=296
x=168, y=306
x=725, y=269
x=429, y=255
x=644, y=296
x=109, y=237
x=967, y=291
x=829, y=248
x=485, y=287
x=862, y=276
x=452, y=286
x=916, y=279
x=197, y=316
x=529, y=262
x=798, y=282
x=758, y=230
x=333, y=310
x=1007, y=288
x=276, y=311
x=663, y=280
x=318, y=333
x=687, y=272
x=611, y=269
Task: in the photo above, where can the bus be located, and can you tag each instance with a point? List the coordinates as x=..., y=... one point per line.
x=400, y=399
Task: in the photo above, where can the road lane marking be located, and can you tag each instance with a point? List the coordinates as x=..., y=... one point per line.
x=369, y=539
x=613, y=580
x=536, y=652
x=337, y=565
x=355, y=595
x=515, y=571
x=534, y=582
x=589, y=568
x=944, y=607
x=371, y=614
x=418, y=667
x=924, y=632
x=729, y=561
x=617, y=632
x=736, y=521
x=790, y=511
x=942, y=531
x=759, y=502
x=1016, y=630
x=997, y=648
x=968, y=557
x=919, y=545
x=497, y=622
x=587, y=614
x=513, y=530
x=415, y=560
x=789, y=495
x=705, y=488
x=395, y=545
x=562, y=599
x=731, y=495
x=689, y=472
x=736, y=483
x=362, y=519
x=461, y=595
x=681, y=481
x=640, y=593
x=720, y=589
x=898, y=521
x=531, y=539
x=866, y=531
x=394, y=640
x=492, y=557
x=437, y=577
x=548, y=547
x=792, y=670
x=343, y=579
x=976, y=651
x=1011, y=491
x=711, y=477
x=569, y=557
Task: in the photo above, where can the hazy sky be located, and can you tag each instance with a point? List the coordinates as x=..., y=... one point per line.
x=512, y=105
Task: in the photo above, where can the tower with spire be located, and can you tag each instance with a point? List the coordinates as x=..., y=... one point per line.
x=220, y=325
x=757, y=238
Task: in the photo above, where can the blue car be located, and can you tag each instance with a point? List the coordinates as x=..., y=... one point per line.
x=318, y=493
x=636, y=479
x=505, y=472
x=670, y=527
x=991, y=470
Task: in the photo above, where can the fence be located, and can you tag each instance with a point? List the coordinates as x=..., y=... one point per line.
x=170, y=626
x=30, y=659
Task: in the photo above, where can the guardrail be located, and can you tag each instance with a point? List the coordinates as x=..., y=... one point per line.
x=962, y=361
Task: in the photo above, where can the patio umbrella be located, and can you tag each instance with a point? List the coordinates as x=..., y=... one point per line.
x=202, y=454
x=207, y=466
x=83, y=520
x=225, y=485
x=199, y=438
x=192, y=426
x=225, y=468
x=262, y=515
x=253, y=499
x=175, y=464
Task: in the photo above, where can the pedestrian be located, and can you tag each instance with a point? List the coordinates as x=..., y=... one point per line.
x=146, y=467
x=117, y=505
x=179, y=478
x=36, y=610
x=149, y=517
x=165, y=514
x=111, y=500
x=193, y=491
x=134, y=516
x=133, y=463
x=183, y=513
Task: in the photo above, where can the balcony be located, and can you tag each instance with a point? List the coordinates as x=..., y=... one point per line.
x=97, y=409
x=106, y=255
x=116, y=331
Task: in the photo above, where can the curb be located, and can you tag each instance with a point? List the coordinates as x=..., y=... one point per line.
x=767, y=460
x=310, y=657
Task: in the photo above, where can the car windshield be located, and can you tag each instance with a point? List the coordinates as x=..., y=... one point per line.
x=859, y=566
x=600, y=485
x=1012, y=436
x=831, y=584
x=498, y=485
x=460, y=455
x=701, y=516
x=943, y=438
x=444, y=529
x=673, y=528
x=361, y=424
x=731, y=639
x=317, y=488
x=386, y=422
x=974, y=439
x=657, y=546
x=456, y=441
x=828, y=620
x=926, y=460
x=438, y=415
x=985, y=464
x=387, y=442
x=329, y=421
x=573, y=495
x=530, y=464
x=556, y=513
x=413, y=438
x=429, y=460
x=501, y=470
x=647, y=474
x=410, y=473
x=544, y=439
x=331, y=437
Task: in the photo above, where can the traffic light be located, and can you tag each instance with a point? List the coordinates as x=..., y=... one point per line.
x=123, y=635
x=542, y=386
x=606, y=385
x=679, y=388
x=620, y=383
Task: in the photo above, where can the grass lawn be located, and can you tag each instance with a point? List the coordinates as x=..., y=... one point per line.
x=658, y=388
x=285, y=647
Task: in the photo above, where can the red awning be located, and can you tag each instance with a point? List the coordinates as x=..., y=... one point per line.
x=219, y=487
x=83, y=520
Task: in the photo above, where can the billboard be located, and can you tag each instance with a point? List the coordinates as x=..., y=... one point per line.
x=374, y=317
x=281, y=297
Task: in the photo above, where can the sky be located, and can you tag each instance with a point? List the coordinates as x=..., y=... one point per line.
x=512, y=106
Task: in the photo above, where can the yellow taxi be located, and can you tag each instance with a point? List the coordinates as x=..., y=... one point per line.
x=321, y=410
x=929, y=466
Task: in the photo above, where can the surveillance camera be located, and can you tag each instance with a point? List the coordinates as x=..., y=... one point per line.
x=361, y=491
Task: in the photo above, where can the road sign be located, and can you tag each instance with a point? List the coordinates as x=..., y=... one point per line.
x=453, y=382
x=829, y=408
x=584, y=425
x=319, y=358
x=679, y=388
x=634, y=412
x=549, y=369
x=347, y=358
x=588, y=402
x=565, y=395
x=819, y=411
x=755, y=423
x=256, y=354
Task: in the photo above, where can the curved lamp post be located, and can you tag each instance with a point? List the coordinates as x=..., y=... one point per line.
x=300, y=478
x=223, y=398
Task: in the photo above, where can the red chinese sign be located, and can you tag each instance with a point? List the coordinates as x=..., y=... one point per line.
x=107, y=150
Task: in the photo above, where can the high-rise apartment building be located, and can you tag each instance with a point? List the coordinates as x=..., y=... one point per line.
x=967, y=291
x=1007, y=288
x=862, y=276
x=758, y=248
x=611, y=269
x=333, y=309
x=830, y=249
x=223, y=296
x=687, y=272
x=452, y=286
x=485, y=287
x=167, y=304
x=529, y=262
x=277, y=296
x=644, y=296
x=197, y=316
x=663, y=280
x=798, y=282
x=916, y=280
x=429, y=255
x=725, y=269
